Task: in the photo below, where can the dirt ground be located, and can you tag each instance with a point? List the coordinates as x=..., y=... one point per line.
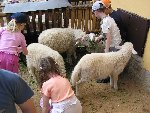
x=100, y=98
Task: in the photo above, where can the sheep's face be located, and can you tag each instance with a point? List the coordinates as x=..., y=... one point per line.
x=78, y=33
x=85, y=39
x=128, y=44
x=89, y=41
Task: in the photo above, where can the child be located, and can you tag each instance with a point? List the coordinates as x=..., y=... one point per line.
x=117, y=17
x=56, y=89
x=12, y=41
x=109, y=27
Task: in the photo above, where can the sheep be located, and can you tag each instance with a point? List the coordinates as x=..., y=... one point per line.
x=61, y=40
x=91, y=45
x=37, y=51
x=100, y=65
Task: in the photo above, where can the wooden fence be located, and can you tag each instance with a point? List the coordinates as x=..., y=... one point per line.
x=80, y=17
x=77, y=16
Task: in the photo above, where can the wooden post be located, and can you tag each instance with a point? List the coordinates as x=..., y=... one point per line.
x=46, y=19
x=79, y=20
x=86, y=19
x=28, y=24
x=33, y=21
x=40, y=24
x=72, y=17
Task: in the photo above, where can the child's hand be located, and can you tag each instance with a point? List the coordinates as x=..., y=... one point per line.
x=106, y=50
x=19, y=49
x=99, y=38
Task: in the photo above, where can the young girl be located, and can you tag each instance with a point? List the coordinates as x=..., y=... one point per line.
x=108, y=26
x=56, y=89
x=12, y=41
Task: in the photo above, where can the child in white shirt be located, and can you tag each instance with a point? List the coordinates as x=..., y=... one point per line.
x=108, y=26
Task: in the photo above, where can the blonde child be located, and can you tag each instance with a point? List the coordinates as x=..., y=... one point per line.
x=108, y=26
x=57, y=94
x=12, y=42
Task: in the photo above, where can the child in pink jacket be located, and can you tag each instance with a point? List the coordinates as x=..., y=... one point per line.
x=12, y=41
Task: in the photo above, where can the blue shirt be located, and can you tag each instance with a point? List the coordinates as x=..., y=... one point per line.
x=13, y=89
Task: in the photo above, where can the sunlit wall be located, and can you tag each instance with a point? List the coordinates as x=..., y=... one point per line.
x=142, y=8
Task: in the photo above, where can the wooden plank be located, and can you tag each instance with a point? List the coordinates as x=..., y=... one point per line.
x=90, y=20
x=2, y=14
x=79, y=18
x=53, y=18
x=1, y=22
x=56, y=18
x=50, y=18
x=73, y=17
x=40, y=24
x=66, y=17
x=76, y=18
x=60, y=18
x=28, y=24
x=63, y=16
x=33, y=21
x=83, y=18
x=46, y=19
x=93, y=23
x=86, y=19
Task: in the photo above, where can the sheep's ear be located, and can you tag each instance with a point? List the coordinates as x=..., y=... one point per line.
x=134, y=52
x=118, y=47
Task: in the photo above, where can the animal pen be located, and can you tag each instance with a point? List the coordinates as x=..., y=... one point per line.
x=79, y=15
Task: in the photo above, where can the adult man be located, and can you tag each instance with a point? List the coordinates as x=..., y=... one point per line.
x=14, y=90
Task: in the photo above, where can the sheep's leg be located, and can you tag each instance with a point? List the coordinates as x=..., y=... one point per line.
x=75, y=56
x=115, y=82
x=31, y=70
x=111, y=81
x=69, y=59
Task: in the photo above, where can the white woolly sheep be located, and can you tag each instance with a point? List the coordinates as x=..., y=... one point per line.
x=100, y=65
x=89, y=42
x=61, y=40
x=37, y=51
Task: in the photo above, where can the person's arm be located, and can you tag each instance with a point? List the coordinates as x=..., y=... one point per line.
x=108, y=42
x=25, y=51
x=22, y=95
x=98, y=39
x=28, y=107
x=23, y=44
x=46, y=105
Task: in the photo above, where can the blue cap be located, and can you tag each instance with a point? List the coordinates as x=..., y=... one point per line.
x=19, y=17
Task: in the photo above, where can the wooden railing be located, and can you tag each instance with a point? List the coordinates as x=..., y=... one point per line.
x=82, y=18
x=78, y=17
x=2, y=16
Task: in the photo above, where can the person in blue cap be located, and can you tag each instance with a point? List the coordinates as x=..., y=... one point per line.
x=12, y=42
